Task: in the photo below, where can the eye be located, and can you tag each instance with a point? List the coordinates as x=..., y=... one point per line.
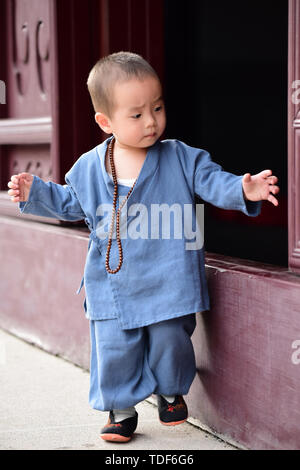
x=136, y=116
x=158, y=108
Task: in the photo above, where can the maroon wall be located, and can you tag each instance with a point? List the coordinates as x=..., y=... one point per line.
x=43, y=266
x=248, y=382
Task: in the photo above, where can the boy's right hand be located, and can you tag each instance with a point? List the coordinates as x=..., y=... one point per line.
x=20, y=187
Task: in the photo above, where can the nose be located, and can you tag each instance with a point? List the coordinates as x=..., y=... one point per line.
x=150, y=121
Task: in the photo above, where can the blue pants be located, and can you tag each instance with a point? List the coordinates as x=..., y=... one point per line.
x=129, y=365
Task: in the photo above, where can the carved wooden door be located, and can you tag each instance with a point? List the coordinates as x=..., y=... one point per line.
x=50, y=46
x=27, y=131
x=46, y=123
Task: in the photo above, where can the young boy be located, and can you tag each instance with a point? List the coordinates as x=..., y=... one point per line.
x=143, y=289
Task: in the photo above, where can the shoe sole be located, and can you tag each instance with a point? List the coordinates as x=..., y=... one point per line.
x=173, y=423
x=114, y=437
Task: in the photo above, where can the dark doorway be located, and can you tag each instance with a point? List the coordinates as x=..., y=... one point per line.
x=226, y=92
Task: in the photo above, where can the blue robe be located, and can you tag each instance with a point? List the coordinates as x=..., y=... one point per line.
x=163, y=273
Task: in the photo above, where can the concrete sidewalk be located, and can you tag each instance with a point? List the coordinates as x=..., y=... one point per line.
x=44, y=405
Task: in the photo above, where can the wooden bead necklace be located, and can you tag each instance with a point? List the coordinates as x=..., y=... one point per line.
x=113, y=170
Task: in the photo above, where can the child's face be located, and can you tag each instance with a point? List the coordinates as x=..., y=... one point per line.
x=138, y=119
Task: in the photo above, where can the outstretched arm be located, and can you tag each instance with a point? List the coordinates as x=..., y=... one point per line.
x=260, y=187
x=221, y=188
x=45, y=199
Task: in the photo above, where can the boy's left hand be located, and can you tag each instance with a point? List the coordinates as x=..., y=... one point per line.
x=260, y=187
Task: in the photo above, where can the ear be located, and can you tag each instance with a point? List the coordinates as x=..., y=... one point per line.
x=103, y=122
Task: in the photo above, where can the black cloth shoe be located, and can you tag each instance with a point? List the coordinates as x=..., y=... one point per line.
x=173, y=413
x=119, y=431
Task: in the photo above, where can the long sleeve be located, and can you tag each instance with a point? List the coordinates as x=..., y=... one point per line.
x=221, y=188
x=52, y=200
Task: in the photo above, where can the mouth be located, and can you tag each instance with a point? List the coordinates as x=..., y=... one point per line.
x=151, y=135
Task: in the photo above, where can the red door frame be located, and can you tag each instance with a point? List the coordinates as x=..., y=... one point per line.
x=294, y=136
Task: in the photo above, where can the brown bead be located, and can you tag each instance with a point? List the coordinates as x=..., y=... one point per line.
x=113, y=170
